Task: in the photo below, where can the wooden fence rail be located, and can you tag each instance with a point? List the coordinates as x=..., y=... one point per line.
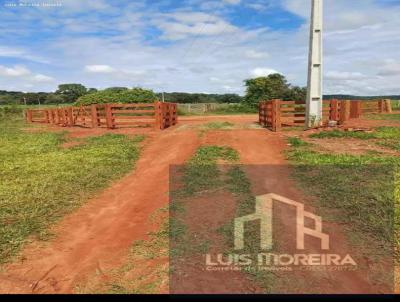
x=158, y=115
x=276, y=114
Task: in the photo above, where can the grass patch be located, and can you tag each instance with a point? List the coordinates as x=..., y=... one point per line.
x=41, y=181
x=388, y=136
x=215, y=126
x=218, y=125
x=201, y=172
x=391, y=144
x=239, y=185
x=200, y=175
x=359, y=190
x=297, y=142
x=203, y=175
x=384, y=117
x=294, y=128
x=235, y=109
x=343, y=134
x=379, y=133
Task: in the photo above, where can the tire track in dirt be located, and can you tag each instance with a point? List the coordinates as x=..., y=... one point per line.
x=98, y=235
x=262, y=153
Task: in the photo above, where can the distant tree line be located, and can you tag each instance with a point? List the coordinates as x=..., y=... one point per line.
x=77, y=93
x=118, y=95
x=195, y=98
x=66, y=93
x=355, y=97
x=274, y=86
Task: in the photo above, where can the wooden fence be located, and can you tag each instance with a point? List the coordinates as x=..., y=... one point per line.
x=276, y=114
x=158, y=115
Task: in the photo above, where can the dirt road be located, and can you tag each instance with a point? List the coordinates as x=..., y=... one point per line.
x=98, y=235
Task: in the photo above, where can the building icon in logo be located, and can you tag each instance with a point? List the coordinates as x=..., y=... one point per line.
x=263, y=213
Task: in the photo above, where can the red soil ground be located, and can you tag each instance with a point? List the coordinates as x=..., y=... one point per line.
x=98, y=235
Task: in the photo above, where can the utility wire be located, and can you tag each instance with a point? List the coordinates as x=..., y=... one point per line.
x=227, y=38
x=196, y=37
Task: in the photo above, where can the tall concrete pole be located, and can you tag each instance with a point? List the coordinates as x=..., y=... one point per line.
x=314, y=85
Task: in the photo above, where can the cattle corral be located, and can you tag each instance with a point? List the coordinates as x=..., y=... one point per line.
x=276, y=114
x=158, y=115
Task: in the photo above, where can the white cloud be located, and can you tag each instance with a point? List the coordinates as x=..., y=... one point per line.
x=344, y=75
x=232, y=2
x=176, y=26
x=260, y=5
x=18, y=77
x=42, y=78
x=390, y=68
x=99, y=69
x=199, y=46
x=262, y=72
x=253, y=54
x=16, y=71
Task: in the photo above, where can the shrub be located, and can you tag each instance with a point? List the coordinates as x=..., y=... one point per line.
x=8, y=111
x=135, y=95
x=237, y=108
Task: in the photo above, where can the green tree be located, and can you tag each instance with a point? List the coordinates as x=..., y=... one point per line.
x=53, y=98
x=229, y=98
x=135, y=95
x=296, y=94
x=35, y=98
x=116, y=89
x=274, y=86
x=71, y=92
x=92, y=90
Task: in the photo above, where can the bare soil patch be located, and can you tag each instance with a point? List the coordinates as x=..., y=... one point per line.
x=349, y=146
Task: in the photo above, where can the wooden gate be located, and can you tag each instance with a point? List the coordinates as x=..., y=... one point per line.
x=276, y=114
x=158, y=115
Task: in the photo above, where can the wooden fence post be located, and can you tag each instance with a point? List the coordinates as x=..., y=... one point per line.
x=381, y=106
x=70, y=117
x=157, y=113
x=95, y=119
x=175, y=114
x=333, y=110
x=355, y=109
x=109, y=116
x=276, y=115
x=29, y=115
x=47, y=116
x=273, y=113
x=51, y=117
x=65, y=117
x=171, y=115
x=59, y=115
x=388, y=106
x=62, y=116
x=56, y=116
x=359, y=109
x=162, y=116
x=344, y=111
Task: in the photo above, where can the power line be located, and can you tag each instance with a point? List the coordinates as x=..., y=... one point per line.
x=197, y=36
x=227, y=38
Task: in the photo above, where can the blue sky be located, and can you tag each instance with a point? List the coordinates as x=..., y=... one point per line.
x=206, y=46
